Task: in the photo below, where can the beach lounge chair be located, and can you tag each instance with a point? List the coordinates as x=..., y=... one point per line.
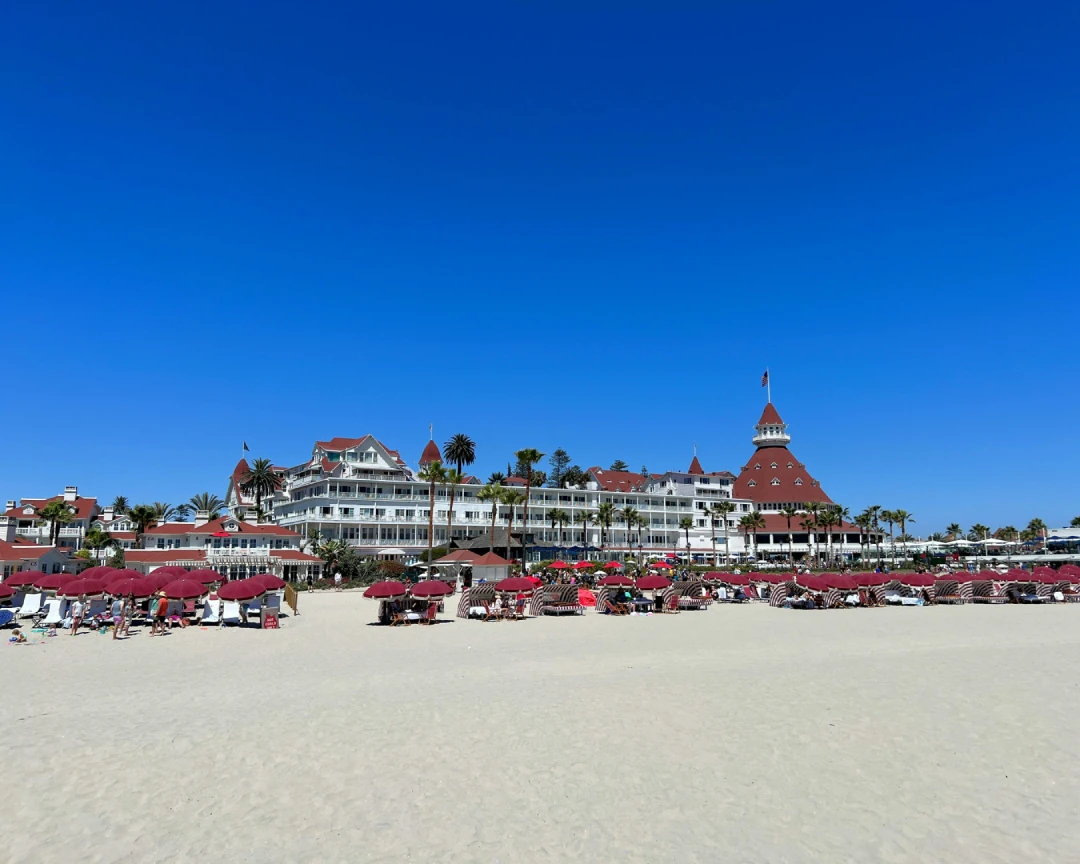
x=519, y=609
x=6, y=617
x=210, y=611
x=671, y=603
x=55, y=608
x=614, y=608
x=230, y=614
x=490, y=612
x=31, y=605
x=97, y=606
x=429, y=616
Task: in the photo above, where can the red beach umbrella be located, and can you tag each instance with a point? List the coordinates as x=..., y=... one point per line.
x=558, y=565
x=185, y=589
x=6, y=591
x=78, y=587
x=388, y=590
x=207, y=577
x=536, y=580
x=515, y=584
x=660, y=565
x=613, y=565
x=126, y=585
x=653, y=582
x=25, y=579
x=269, y=581
x=97, y=573
x=53, y=582
x=584, y=565
x=616, y=579
x=431, y=588
x=124, y=574
x=241, y=589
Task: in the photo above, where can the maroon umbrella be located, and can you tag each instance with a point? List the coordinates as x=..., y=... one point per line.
x=269, y=581
x=652, y=582
x=25, y=579
x=53, y=582
x=124, y=574
x=388, y=590
x=241, y=589
x=97, y=573
x=613, y=565
x=170, y=571
x=126, y=585
x=516, y=584
x=6, y=591
x=207, y=577
x=733, y=579
x=842, y=581
x=78, y=587
x=431, y=588
x=616, y=579
x=185, y=589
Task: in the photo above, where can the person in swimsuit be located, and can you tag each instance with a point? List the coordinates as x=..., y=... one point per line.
x=117, y=616
x=78, y=609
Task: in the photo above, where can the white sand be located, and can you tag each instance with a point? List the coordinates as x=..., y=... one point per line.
x=737, y=734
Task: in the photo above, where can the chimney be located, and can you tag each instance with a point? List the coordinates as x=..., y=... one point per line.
x=71, y=493
x=201, y=518
x=108, y=514
x=10, y=504
x=7, y=528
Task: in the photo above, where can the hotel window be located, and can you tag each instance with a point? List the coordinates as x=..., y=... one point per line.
x=798, y=481
x=326, y=511
x=774, y=482
x=757, y=467
x=752, y=483
x=346, y=511
x=773, y=465
x=333, y=490
x=789, y=465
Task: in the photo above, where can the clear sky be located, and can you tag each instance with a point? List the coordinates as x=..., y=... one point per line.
x=587, y=225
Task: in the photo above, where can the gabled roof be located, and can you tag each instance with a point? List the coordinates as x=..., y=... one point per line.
x=463, y=555
x=336, y=445
x=214, y=525
x=770, y=416
x=431, y=453
x=514, y=481
x=84, y=507
x=490, y=559
x=23, y=551
x=695, y=467
x=616, y=481
x=794, y=484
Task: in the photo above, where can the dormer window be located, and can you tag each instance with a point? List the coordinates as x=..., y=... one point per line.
x=757, y=467
x=789, y=465
x=752, y=483
x=774, y=482
x=773, y=465
x=798, y=481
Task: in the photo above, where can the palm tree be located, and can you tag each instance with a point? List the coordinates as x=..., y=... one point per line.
x=511, y=498
x=164, y=512
x=557, y=518
x=889, y=518
x=333, y=551
x=143, y=517
x=496, y=478
x=757, y=523
x=55, y=514
x=432, y=473
x=629, y=515
x=1075, y=523
x=460, y=451
x=808, y=523
x=120, y=504
x=452, y=479
x=789, y=513
x=208, y=502
x=97, y=540
x=642, y=522
x=527, y=457
x=874, y=512
x=259, y=481
x=685, y=524
x=902, y=517
x=586, y=518
x=605, y=514
x=864, y=523
x=724, y=509
x=954, y=530
x=493, y=493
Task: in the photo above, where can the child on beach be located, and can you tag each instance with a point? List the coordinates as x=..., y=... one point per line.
x=17, y=638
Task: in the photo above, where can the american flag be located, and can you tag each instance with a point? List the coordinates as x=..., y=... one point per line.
x=765, y=379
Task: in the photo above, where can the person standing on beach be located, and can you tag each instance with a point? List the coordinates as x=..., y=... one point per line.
x=337, y=581
x=78, y=609
x=117, y=616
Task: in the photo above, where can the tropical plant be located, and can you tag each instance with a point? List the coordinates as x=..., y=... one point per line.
x=808, y=523
x=116, y=560
x=643, y=522
x=311, y=540
x=260, y=481
x=789, y=513
x=840, y=515
x=889, y=518
x=864, y=522
x=586, y=519
x=1075, y=522
x=902, y=518
x=723, y=509
x=120, y=504
x=143, y=517
x=97, y=540
x=937, y=537
x=452, y=479
x=629, y=515
x=557, y=518
x=459, y=451
x=978, y=532
x=433, y=473
x=334, y=553
x=874, y=512
x=574, y=476
x=511, y=498
x=208, y=502
x=685, y=524
x=54, y=514
x=491, y=493
x=163, y=512
x=605, y=515
x=527, y=457
x=954, y=530
x=559, y=462
x=496, y=478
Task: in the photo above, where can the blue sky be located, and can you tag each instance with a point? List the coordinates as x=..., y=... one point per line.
x=586, y=225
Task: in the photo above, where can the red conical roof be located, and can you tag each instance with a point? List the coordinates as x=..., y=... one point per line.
x=695, y=467
x=770, y=417
x=431, y=453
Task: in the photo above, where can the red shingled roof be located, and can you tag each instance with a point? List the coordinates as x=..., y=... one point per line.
x=431, y=453
x=338, y=444
x=616, y=481
x=695, y=467
x=292, y=555
x=770, y=417
x=776, y=523
x=219, y=525
x=22, y=551
x=84, y=507
x=763, y=490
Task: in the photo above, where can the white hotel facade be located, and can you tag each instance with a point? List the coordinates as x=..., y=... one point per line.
x=360, y=491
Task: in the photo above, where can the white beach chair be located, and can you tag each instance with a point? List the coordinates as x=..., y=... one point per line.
x=231, y=613
x=100, y=606
x=55, y=613
x=210, y=612
x=31, y=605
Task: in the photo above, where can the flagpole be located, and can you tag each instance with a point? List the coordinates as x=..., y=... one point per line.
x=768, y=383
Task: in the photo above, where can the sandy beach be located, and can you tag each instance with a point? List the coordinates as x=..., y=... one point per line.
x=737, y=734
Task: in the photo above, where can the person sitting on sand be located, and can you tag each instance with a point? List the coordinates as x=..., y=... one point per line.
x=17, y=637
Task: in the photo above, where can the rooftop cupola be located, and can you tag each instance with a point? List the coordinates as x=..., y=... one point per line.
x=771, y=430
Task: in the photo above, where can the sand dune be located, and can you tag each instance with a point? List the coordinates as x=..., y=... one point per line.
x=738, y=734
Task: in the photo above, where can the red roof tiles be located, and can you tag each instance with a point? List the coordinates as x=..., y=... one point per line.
x=84, y=507
x=22, y=551
x=215, y=525
x=616, y=481
x=770, y=416
x=695, y=467
x=431, y=453
x=794, y=484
